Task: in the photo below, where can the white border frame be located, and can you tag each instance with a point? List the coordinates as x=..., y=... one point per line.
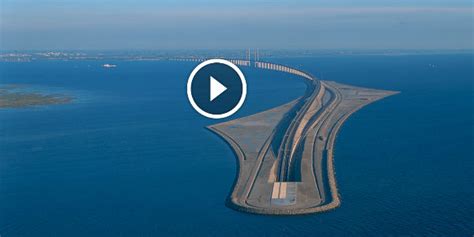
x=242, y=96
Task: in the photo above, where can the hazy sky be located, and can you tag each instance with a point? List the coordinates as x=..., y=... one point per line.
x=230, y=24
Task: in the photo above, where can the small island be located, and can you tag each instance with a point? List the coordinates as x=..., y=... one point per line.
x=11, y=97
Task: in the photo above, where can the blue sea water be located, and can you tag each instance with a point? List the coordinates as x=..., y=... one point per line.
x=130, y=157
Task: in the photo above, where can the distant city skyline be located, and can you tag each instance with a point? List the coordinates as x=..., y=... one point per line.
x=211, y=24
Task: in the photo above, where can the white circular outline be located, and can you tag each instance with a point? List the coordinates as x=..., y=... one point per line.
x=242, y=96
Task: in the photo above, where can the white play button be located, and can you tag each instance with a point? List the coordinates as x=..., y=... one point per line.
x=216, y=88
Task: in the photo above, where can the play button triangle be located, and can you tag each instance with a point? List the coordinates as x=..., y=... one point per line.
x=216, y=88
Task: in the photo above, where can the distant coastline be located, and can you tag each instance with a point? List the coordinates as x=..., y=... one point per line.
x=157, y=55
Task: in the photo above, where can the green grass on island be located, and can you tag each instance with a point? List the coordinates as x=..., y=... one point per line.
x=11, y=98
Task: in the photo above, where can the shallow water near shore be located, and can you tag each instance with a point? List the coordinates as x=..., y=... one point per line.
x=129, y=156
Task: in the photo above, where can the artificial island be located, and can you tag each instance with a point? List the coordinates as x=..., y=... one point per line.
x=285, y=154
